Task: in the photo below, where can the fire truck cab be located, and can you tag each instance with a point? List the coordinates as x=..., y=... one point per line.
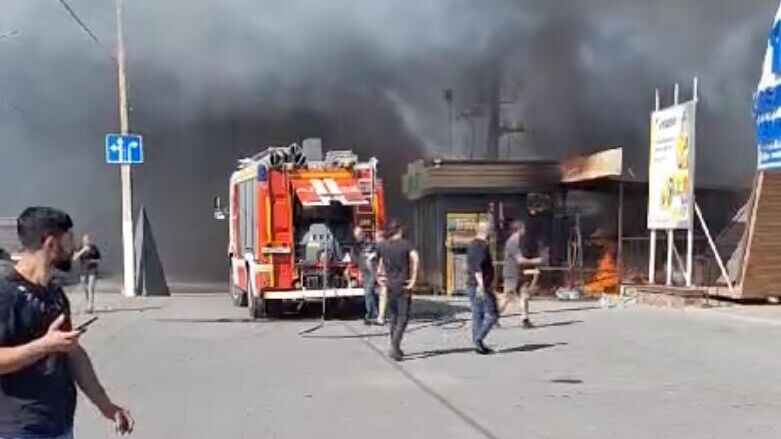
x=291, y=217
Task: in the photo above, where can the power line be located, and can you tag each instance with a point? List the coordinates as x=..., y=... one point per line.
x=84, y=27
x=80, y=22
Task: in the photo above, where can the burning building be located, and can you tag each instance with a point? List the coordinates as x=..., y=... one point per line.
x=449, y=197
x=595, y=225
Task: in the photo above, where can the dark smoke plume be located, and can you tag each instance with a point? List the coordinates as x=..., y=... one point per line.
x=211, y=82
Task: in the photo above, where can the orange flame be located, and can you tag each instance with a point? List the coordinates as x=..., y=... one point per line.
x=605, y=280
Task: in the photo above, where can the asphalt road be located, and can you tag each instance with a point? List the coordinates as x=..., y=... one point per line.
x=192, y=366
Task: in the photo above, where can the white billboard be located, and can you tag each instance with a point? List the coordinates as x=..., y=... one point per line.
x=671, y=167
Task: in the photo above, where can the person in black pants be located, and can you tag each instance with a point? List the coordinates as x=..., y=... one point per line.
x=399, y=263
x=480, y=266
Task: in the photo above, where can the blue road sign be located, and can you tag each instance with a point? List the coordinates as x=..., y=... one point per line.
x=124, y=150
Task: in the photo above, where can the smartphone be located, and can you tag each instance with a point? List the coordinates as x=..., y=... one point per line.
x=83, y=325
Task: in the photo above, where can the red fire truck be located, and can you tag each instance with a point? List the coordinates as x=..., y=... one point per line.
x=291, y=216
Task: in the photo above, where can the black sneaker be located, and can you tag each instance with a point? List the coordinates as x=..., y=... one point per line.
x=396, y=355
x=482, y=349
x=527, y=324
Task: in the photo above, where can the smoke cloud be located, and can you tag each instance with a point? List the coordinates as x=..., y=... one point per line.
x=211, y=82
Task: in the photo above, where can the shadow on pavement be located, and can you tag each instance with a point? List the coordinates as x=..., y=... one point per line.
x=219, y=320
x=567, y=381
x=540, y=325
x=134, y=309
x=560, y=310
x=446, y=324
x=530, y=348
x=424, y=308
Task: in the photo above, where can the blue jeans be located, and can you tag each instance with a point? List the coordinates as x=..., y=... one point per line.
x=483, y=313
x=370, y=299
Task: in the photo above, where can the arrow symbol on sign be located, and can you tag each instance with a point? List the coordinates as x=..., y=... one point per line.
x=117, y=146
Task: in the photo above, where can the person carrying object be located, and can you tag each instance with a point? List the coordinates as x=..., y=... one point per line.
x=520, y=273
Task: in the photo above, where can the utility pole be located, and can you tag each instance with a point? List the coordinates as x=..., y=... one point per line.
x=448, y=93
x=470, y=115
x=125, y=169
x=496, y=128
x=494, y=112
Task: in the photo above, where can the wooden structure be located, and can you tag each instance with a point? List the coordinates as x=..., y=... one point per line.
x=442, y=189
x=759, y=250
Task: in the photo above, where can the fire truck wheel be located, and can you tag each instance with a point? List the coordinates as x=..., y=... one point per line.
x=255, y=308
x=238, y=297
x=254, y=305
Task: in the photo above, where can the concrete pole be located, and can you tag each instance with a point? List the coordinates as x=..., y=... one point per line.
x=652, y=238
x=671, y=232
x=690, y=232
x=128, y=258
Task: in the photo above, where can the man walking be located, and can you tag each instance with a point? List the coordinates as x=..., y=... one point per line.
x=399, y=263
x=366, y=257
x=88, y=257
x=519, y=272
x=480, y=266
x=41, y=361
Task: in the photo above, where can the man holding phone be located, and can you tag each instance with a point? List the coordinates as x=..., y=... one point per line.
x=41, y=361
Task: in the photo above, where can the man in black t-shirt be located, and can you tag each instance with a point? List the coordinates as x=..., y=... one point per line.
x=480, y=267
x=41, y=361
x=399, y=266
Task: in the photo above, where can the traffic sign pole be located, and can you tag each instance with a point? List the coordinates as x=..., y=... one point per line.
x=126, y=170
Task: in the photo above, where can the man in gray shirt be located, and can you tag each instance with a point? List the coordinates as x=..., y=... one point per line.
x=520, y=273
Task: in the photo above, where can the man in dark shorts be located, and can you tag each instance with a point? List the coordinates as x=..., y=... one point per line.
x=41, y=361
x=88, y=256
x=480, y=266
x=520, y=273
x=399, y=264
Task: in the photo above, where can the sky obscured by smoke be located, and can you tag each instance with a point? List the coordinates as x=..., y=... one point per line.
x=213, y=81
